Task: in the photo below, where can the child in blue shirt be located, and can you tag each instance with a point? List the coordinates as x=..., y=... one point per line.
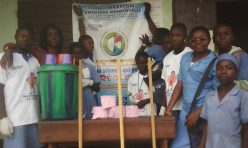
x=155, y=50
x=161, y=40
x=91, y=80
x=225, y=109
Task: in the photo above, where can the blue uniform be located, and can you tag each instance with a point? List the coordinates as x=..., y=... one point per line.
x=243, y=69
x=24, y=136
x=225, y=118
x=190, y=74
x=156, y=53
x=88, y=94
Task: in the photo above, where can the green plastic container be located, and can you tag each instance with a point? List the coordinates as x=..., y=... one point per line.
x=58, y=85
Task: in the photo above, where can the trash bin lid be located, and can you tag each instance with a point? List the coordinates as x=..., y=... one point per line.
x=59, y=67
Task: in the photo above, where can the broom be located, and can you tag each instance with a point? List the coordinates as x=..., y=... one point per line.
x=80, y=105
x=122, y=143
x=151, y=102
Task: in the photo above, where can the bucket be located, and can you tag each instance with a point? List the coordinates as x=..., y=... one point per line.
x=58, y=85
x=64, y=59
x=51, y=59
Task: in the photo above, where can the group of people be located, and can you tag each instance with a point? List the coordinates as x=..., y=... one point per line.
x=19, y=110
x=181, y=63
x=201, y=86
x=221, y=102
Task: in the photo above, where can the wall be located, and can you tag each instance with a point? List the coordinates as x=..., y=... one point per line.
x=167, y=5
x=167, y=13
x=8, y=21
x=195, y=12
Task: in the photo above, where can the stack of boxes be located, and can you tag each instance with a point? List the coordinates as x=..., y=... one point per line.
x=109, y=109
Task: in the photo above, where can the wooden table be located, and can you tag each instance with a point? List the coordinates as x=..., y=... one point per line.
x=138, y=129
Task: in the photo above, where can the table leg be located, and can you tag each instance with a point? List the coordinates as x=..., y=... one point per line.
x=164, y=143
x=50, y=145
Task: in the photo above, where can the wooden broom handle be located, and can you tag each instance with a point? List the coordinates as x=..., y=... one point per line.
x=151, y=102
x=74, y=61
x=122, y=142
x=80, y=105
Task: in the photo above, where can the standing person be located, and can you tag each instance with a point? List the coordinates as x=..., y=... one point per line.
x=157, y=50
x=165, y=34
x=88, y=46
x=137, y=89
x=84, y=39
x=225, y=109
x=160, y=45
x=161, y=41
x=19, y=96
x=90, y=80
x=223, y=36
x=192, y=68
x=51, y=42
x=171, y=63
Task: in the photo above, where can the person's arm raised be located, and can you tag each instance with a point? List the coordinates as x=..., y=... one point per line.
x=79, y=13
x=145, y=42
x=150, y=22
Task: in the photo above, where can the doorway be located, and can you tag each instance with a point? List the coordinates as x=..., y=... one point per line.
x=235, y=13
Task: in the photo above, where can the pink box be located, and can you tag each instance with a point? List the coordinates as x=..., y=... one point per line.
x=99, y=113
x=108, y=101
x=131, y=111
x=114, y=112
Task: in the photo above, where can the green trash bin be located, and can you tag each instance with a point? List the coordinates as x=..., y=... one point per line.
x=58, y=85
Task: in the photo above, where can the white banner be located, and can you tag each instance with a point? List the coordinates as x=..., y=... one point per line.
x=115, y=29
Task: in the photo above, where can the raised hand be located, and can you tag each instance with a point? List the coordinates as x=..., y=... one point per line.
x=145, y=40
x=77, y=10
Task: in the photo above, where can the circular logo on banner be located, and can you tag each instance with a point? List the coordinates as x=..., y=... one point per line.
x=114, y=43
